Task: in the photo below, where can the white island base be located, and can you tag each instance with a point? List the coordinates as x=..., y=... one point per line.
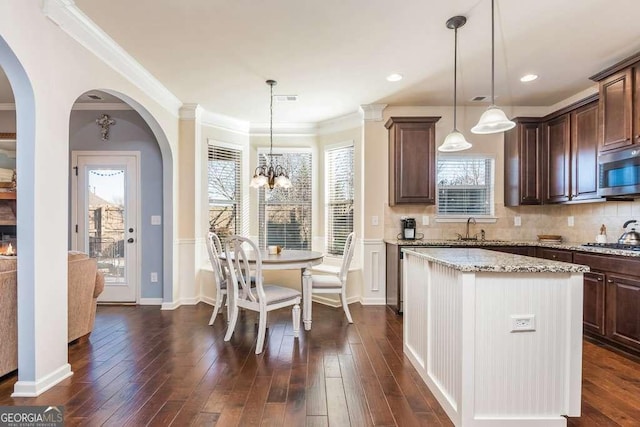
x=461, y=307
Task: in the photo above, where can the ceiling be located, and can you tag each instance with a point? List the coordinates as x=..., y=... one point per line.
x=335, y=54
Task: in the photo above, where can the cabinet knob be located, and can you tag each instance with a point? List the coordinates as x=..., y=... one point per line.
x=609, y=281
x=599, y=279
x=554, y=256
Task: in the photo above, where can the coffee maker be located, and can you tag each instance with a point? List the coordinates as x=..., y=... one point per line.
x=408, y=228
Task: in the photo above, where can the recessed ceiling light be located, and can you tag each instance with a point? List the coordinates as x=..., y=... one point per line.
x=394, y=77
x=528, y=78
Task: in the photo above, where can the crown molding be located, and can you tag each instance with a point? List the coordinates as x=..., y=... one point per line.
x=226, y=123
x=373, y=112
x=190, y=112
x=74, y=22
x=342, y=123
x=98, y=106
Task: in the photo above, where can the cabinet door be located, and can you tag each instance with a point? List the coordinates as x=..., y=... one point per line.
x=412, y=160
x=530, y=164
x=593, y=303
x=584, y=152
x=557, y=155
x=623, y=309
x=615, y=111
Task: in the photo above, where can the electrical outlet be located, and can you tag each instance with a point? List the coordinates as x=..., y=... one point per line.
x=523, y=323
x=154, y=277
x=517, y=221
x=570, y=221
x=156, y=220
x=425, y=219
x=374, y=220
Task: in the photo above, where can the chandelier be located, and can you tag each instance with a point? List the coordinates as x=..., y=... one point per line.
x=273, y=176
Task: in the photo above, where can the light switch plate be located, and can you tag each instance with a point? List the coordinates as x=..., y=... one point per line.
x=425, y=219
x=156, y=220
x=517, y=221
x=154, y=277
x=570, y=221
x=374, y=220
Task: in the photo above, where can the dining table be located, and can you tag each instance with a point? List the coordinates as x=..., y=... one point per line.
x=291, y=259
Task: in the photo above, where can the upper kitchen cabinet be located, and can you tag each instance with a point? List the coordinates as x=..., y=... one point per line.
x=523, y=163
x=584, y=152
x=619, y=120
x=557, y=159
x=571, y=153
x=412, y=160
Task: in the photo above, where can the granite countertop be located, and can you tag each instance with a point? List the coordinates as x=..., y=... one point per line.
x=478, y=260
x=571, y=246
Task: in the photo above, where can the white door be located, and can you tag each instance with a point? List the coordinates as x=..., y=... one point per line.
x=105, y=195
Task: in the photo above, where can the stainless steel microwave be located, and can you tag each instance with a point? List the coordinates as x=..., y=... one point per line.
x=619, y=173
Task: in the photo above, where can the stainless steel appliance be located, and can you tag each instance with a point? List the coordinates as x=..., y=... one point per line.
x=408, y=228
x=630, y=237
x=619, y=173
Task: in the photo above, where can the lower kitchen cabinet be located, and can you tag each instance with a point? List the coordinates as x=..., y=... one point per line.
x=554, y=254
x=593, y=303
x=623, y=309
x=612, y=299
x=517, y=250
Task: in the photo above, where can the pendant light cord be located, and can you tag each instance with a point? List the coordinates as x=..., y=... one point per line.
x=455, y=77
x=271, y=126
x=493, y=55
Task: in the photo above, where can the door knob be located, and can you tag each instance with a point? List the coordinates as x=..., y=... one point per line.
x=130, y=240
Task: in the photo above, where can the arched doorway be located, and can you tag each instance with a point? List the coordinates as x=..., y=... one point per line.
x=132, y=241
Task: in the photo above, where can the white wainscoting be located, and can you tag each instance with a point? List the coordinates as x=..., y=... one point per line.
x=457, y=334
x=373, y=272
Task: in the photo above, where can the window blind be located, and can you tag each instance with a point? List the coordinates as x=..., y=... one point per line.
x=225, y=190
x=284, y=215
x=339, y=195
x=466, y=186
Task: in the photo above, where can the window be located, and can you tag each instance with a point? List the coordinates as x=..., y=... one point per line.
x=465, y=186
x=339, y=196
x=224, y=170
x=284, y=215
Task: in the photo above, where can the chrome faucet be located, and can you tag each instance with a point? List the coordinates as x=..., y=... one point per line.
x=470, y=220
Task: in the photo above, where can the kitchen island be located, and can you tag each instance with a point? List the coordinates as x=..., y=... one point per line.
x=496, y=337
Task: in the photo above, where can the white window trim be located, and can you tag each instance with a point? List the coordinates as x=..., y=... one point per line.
x=480, y=219
x=243, y=202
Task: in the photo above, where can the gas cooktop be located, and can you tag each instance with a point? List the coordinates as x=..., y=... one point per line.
x=614, y=246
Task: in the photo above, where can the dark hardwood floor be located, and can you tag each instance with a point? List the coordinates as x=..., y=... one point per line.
x=143, y=366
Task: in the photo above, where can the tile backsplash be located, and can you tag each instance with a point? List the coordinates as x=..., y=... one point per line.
x=545, y=219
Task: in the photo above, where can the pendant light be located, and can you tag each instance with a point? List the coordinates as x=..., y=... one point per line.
x=494, y=120
x=455, y=141
x=273, y=176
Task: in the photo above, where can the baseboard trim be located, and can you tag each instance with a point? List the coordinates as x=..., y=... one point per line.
x=208, y=300
x=150, y=301
x=373, y=301
x=36, y=388
x=170, y=305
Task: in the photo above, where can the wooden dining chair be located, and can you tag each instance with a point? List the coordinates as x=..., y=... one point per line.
x=214, y=248
x=263, y=298
x=336, y=283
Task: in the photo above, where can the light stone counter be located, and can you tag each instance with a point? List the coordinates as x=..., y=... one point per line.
x=476, y=259
x=571, y=246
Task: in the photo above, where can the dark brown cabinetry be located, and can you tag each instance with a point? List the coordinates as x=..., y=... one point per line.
x=557, y=149
x=554, y=254
x=584, y=152
x=612, y=298
x=619, y=115
x=517, y=250
x=523, y=163
x=571, y=153
x=593, y=303
x=412, y=160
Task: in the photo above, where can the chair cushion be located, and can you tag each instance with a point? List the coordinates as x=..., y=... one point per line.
x=325, y=281
x=275, y=293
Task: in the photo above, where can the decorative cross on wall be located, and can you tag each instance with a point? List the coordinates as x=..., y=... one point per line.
x=104, y=122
